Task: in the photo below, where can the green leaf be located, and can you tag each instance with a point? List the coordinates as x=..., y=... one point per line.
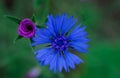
x=40, y=26
x=19, y=37
x=14, y=19
x=46, y=20
x=33, y=18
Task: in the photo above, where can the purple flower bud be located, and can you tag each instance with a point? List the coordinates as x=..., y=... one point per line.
x=27, y=28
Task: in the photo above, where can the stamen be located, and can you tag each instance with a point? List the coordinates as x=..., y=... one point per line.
x=60, y=43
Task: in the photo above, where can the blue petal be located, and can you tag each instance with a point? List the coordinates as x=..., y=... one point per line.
x=53, y=64
x=78, y=34
x=69, y=61
x=44, y=31
x=62, y=63
x=60, y=23
x=42, y=37
x=55, y=23
x=51, y=23
x=48, y=59
x=43, y=53
x=75, y=58
x=81, y=39
x=72, y=59
x=81, y=47
x=68, y=24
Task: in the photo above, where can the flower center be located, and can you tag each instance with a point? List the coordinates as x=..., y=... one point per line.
x=29, y=27
x=60, y=43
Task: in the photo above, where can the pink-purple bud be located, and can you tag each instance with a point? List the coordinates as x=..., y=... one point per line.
x=27, y=28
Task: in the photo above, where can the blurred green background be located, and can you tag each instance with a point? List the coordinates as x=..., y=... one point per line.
x=102, y=18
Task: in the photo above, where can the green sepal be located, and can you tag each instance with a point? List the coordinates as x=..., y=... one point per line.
x=31, y=41
x=33, y=18
x=19, y=37
x=14, y=19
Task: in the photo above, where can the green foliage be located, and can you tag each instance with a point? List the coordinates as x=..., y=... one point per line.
x=102, y=61
x=14, y=19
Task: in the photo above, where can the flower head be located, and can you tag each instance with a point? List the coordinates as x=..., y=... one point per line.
x=27, y=28
x=60, y=38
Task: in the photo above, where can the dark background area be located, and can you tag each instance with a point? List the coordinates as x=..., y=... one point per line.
x=102, y=18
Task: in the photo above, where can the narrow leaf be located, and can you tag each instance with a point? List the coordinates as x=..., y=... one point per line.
x=14, y=19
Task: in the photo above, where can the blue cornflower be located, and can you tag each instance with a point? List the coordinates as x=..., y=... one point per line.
x=60, y=38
